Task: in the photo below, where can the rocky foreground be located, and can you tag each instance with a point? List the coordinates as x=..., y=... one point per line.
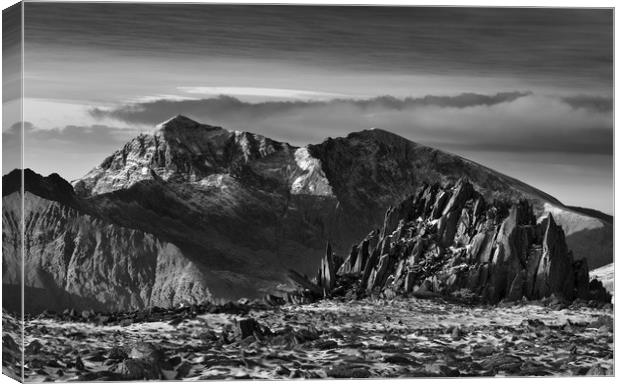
x=403, y=337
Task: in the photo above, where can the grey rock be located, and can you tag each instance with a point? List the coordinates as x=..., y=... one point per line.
x=138, y=369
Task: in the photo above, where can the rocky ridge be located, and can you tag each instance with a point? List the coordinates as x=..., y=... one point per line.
x=450, y=241
x=180, y=149
x=76, y=259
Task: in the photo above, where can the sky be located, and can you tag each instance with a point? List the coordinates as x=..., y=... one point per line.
x=525, y=91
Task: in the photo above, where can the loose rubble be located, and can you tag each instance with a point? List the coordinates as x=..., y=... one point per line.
x=338, y=338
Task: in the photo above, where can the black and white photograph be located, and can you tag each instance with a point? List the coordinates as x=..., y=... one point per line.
x=211, y=191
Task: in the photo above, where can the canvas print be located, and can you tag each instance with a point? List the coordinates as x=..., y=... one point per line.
x=211, y=191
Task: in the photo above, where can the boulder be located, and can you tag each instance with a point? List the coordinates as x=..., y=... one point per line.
x=249, y=327
x=581, y=278
x=440, y=204
x=362, y=257
x=516, y=290
x=461, y=237
x=409, y=281
x=554, y=274
x=463, y=191
x=348, y=372
x=370, y=265
x=326, y=276
x=390, y=221
x=381, y=274
x=138, y=369
x=146, y=351
x=447, y=227
x=349, y=262
x=117, y=353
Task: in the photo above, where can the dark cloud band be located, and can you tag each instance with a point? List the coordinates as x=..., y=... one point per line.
x=506, y=121
x=224, y=106
x=75, y=138
x=592, y=103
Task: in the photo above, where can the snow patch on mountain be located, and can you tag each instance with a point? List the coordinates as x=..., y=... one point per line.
x=212, y=181
x=313, y=180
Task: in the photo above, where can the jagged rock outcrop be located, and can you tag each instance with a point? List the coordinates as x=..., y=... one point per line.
x=496, y=251
x=326, y=277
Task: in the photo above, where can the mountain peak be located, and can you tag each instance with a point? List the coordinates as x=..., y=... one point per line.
x=181, y=123
x=378, y=134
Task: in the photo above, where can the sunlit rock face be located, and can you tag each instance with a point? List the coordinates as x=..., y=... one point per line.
x=77, y=259
x=179, y=150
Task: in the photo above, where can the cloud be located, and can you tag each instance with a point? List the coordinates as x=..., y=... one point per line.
x=505, y=121
x=531, y=124
x=464, y=100
x=72, y=137
x=70, y=151
x=591, y=103
x=279, y=93
x=223, y=107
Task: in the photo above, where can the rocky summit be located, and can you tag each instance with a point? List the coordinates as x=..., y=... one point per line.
x=450, y=241
x=191, y=212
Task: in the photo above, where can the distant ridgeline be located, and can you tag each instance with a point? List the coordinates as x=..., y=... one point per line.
x=192, y=212
x=449, y=241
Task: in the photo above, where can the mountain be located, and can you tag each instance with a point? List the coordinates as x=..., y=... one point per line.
x=193, y=211
x=362, y=173
x=76, y=258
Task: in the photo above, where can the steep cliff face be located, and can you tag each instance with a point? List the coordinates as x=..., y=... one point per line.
x=449, y=240
x=77, y=260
